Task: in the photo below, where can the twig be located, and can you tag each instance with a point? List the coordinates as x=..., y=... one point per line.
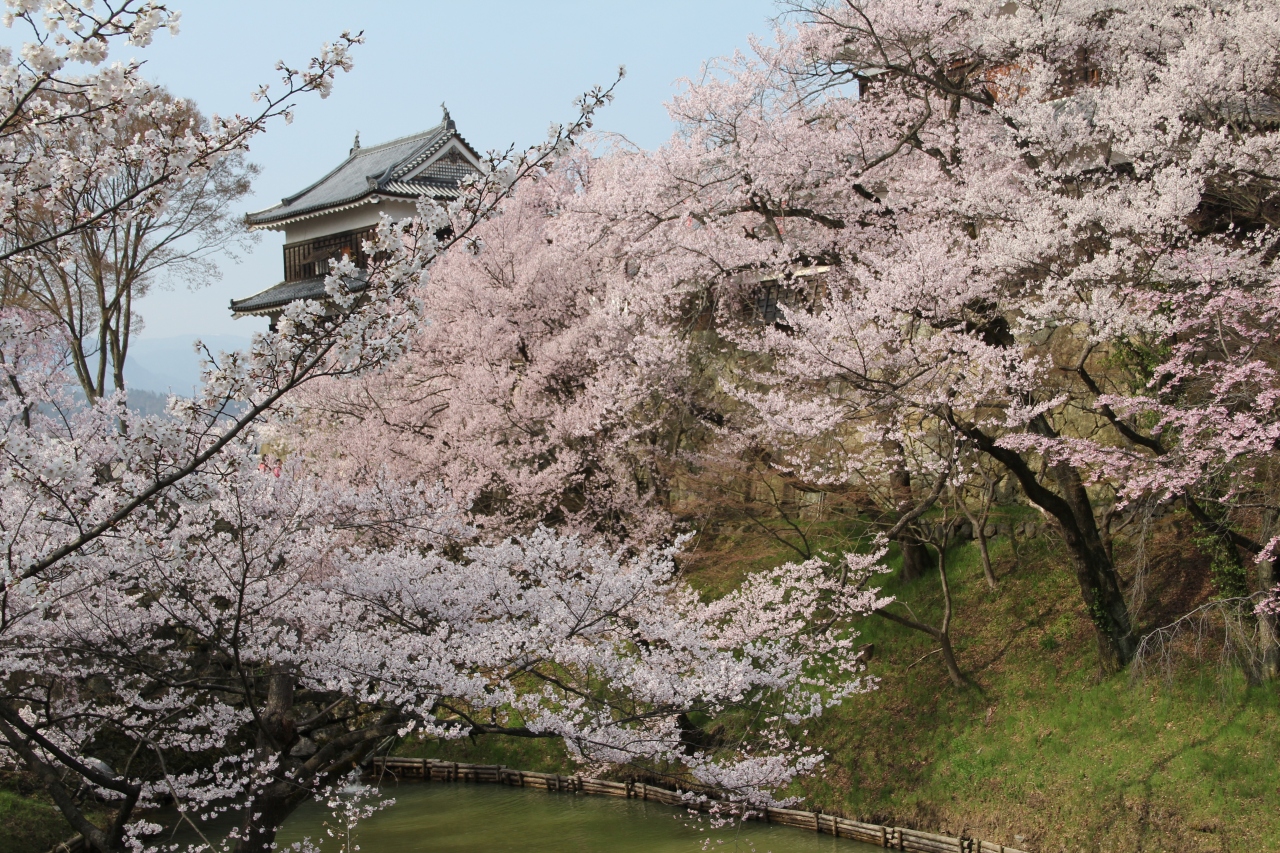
x=925, y=655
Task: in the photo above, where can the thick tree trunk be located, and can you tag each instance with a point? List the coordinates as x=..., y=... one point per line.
x=1095, y=573
x=915, y=556
x=271, y=803
x=264, y=815
x=295, y=778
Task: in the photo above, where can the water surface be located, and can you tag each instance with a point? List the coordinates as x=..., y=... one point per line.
x=467, y=818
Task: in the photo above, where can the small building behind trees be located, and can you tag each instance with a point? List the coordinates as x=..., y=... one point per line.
x=332, y=218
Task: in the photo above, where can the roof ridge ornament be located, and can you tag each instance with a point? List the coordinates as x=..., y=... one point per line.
x=447, y=121
x=355, y=146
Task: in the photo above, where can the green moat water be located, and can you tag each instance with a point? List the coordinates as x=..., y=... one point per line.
x=463, y=818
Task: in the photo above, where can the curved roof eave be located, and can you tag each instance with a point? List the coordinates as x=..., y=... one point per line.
x=289, y=217
x=395, y=190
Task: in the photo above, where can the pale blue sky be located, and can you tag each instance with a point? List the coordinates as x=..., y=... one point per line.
x=506, y=69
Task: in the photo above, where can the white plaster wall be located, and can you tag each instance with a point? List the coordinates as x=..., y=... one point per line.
x=346, y=220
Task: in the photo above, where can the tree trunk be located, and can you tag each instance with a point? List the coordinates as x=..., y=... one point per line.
x=949, y=657
x=98, y=840
x=944, y=636
x=1095, y=573
x=264, y=815
x=987, y=571
x=295, y=778
x=1268, y=636
x=271, y=803
x=978, y=523
x=915, y=556
x=941, y=634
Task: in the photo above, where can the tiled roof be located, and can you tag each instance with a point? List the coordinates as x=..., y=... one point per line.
x=378, y=169
x=445, y=171
x=274, y=298
x=1262, y=112
x=422, y=188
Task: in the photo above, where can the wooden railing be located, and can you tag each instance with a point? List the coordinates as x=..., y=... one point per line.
x=891, y=837
x=311, y=259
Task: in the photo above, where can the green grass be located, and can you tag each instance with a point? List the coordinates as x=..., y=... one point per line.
x=1040, y=745
x=28, y=824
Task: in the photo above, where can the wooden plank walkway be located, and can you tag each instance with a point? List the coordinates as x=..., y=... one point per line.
x=891, y=837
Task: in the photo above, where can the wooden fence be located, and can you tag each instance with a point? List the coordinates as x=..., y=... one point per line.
x=74, y=844
x=891, y=837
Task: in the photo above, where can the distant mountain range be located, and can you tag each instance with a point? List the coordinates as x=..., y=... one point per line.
x=170, y=365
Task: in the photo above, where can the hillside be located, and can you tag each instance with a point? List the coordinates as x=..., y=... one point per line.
x=1040, y=746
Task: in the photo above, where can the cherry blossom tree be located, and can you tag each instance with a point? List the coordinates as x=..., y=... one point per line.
x=1044, y=234
x=232, y=637
x=273, y=630
x=538, y=390
x=92, y=282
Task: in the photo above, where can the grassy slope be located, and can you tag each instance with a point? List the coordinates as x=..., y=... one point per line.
x=29, y=824
x=540, y=756
x=1040, y=746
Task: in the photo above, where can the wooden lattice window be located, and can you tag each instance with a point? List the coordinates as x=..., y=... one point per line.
x=770, y=297
x=311, y=259
x=767, y=310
